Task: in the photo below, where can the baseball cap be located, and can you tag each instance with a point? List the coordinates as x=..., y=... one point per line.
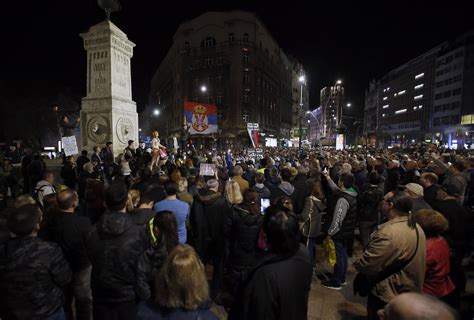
x=415, y=188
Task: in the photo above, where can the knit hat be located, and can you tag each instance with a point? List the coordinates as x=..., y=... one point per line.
x=213, y=183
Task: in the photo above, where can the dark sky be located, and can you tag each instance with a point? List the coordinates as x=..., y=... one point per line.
x=356, y=41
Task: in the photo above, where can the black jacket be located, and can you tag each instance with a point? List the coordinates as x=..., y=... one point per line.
x=68, y=173
x=33, y=274
x=263, y=192
x=207, y=220
x=242, y=230
x=276, y=288
x=149, y=265
x=393, y=179
x=430, y=194
x=368, y=203
x=302, y=191
x=70, y=231
x=81, y=161
x=114, y=246
x=141, y=216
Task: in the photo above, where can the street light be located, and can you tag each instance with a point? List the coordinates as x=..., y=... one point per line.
x=203, y=89
x=348, y=105
x=338, y=81
x=156, y=112
x=301, y=80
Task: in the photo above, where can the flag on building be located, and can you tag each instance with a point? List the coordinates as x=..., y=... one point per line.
x=201, y=117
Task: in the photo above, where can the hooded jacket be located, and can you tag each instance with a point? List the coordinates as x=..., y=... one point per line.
x=207, y=220
x=149, y=264
x=344, y=219
x=284, y=189
x=114, y=247
x=33, y=274
x=241, y=230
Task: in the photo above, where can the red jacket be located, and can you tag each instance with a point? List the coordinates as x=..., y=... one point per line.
x=437, y=282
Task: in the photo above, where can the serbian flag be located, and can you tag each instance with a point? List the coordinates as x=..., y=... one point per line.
x=201, y=117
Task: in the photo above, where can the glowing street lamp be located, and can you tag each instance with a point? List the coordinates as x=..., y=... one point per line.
x=156, y=112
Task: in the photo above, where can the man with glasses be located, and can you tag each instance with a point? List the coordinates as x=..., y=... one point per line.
x=396, y=246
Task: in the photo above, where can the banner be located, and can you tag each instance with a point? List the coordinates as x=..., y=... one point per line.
x=340, y=142
x=252, y=129
x=69, y=145
x=201, y=117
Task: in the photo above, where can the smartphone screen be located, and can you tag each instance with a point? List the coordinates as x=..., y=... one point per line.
x=264, y=204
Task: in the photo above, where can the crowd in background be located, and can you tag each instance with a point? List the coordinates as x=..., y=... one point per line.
x=136, y=235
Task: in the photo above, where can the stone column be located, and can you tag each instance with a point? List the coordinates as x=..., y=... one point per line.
x=108, y=112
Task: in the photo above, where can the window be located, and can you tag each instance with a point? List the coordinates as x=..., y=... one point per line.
x=245, y=57
x=467, y=119
x=457, y=92
x=246, y=97
x=446, y=106
x=419, y=75
x=439, y=84
x=457, y=78
x=437, y=108
x=220, y=60
x=209, y=42
x=246, y=37
x=231, y=37
x=186, y=45
x=458, y=54
x=219, y=79
x=385, y=106
x=447, y=94
x=197, y=63
x=448, y=81
x=246, y=78
x=438, y=96
x=440, y=72
x=455, y=119
x=437, y=121
x=401, y=92
x=208, y=100
x=385, y=98
x=220, y=98
x=208, y=61
x=419, y=86
x=418, y=97
x=400, y=111
x=455, y=105
x=445, y=120
x=196, y=83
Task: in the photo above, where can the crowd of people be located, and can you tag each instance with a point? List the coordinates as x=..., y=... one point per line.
x=137, y=235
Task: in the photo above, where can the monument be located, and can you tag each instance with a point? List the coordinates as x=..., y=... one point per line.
x=108, y=112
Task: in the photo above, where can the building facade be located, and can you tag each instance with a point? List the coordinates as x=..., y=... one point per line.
x=246, y=75
x=331, y=101
x=299, y=102
x=429, y=98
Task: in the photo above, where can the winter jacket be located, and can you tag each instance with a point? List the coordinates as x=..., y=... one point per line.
x=430, y=194
x=68, y=173
x=241, y=230
x=393, y=243
x=344, y=218
x=458, y=217
x=302, y=191
x=114, y=246
x=360, y=179
x=33, y=274
x=393, y=179
x=70, y=232
x=272, y=183
x=148, y=312
x=277, y=287
x=149, y=264
x=437, y=282
x=81, y=161
x=142, y=216
x=312, y=211
x=207, y=220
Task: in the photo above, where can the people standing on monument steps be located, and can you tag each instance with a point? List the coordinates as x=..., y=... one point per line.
x=156, y=149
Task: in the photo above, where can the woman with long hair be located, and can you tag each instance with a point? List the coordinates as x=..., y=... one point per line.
x=163, y=231
x=232, y=193
x=181, y=287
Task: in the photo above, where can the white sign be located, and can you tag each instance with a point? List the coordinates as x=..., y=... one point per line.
x=257, y=154
x=207, y=169
x=252, y=126
x=340, y=142
x=70, y=145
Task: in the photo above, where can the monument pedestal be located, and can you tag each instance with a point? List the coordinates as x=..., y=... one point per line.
x=108, y=112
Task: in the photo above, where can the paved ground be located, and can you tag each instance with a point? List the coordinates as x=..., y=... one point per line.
x=326, y=304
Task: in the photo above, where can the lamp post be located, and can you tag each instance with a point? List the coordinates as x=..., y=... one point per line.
x=301, y=80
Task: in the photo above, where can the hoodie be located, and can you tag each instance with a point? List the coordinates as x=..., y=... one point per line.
x=342, y=208
x=287, y=188
x=114, y=246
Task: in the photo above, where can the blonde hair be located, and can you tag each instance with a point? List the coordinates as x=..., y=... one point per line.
x=133, y=199
x=24, y=199
x=182, y=281
x=233, y=193
x=183, y=185
x=432, y=222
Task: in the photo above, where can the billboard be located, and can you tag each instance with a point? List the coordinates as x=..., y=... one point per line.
x=201, y=117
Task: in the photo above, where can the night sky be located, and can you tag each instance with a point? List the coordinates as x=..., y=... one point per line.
x=42, y=52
